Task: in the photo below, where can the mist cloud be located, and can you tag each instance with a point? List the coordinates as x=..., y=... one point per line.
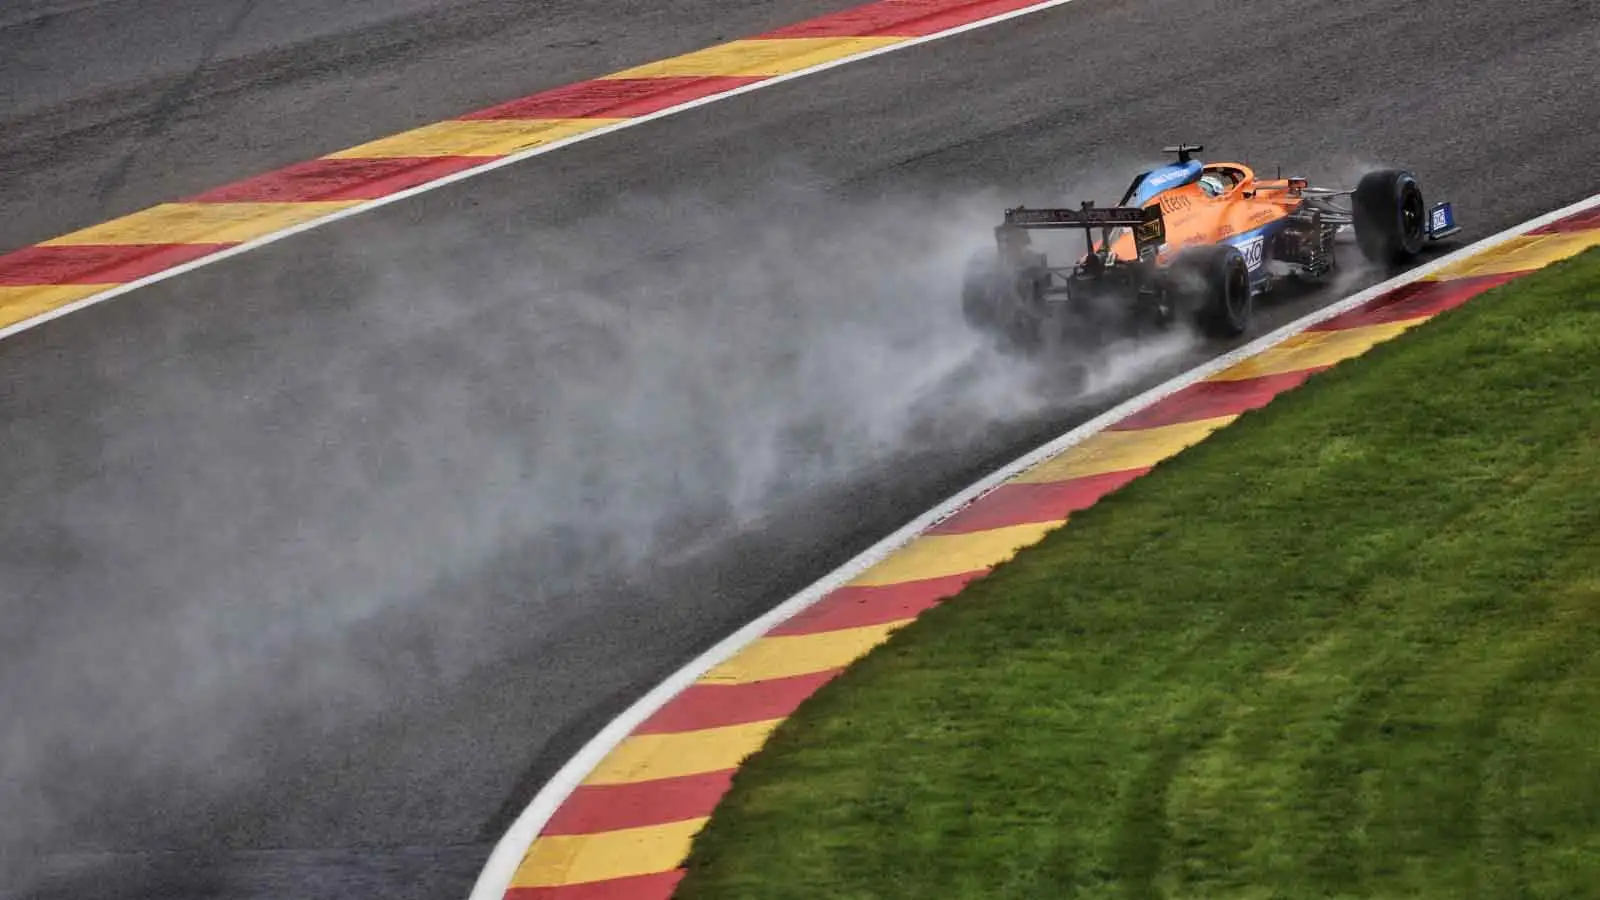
x=295, y=519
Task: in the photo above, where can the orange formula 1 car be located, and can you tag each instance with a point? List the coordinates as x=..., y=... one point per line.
x=1189, y=239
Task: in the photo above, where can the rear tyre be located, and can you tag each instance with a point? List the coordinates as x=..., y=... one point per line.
x=981, y=291
x=1003, y=300
x=1212, y=284
x=1391, y=218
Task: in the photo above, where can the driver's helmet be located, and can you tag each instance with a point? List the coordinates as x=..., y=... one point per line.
x=1214, y=184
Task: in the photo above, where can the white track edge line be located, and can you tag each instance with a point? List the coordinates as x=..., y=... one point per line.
x=502, y=864
x=369, y=205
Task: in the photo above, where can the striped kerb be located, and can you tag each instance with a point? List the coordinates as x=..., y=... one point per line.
x=624, y=834
x=37, y=280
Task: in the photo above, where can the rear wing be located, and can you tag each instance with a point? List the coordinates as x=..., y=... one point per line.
x=1087, y=217
x=1149, y=229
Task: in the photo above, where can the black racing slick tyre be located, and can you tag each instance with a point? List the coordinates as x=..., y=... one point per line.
x=1212, y=285
x=1002, y=300
x=1391, y=218
x=982, y=291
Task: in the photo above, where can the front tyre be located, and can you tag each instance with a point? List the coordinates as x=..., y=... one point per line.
x=1212, y=284
x=1391, y=219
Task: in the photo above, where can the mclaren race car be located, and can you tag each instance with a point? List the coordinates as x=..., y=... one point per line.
x=1191, y=239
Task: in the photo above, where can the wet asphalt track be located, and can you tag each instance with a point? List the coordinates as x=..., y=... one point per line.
x=278, y=619
x=109, y=106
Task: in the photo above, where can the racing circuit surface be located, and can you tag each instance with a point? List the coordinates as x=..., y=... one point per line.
x=111, y=106
x=315, y=563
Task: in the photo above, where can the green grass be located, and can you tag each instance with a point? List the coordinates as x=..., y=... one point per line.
x=1347, y=647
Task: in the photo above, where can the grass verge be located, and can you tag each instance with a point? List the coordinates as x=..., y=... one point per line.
x=1347, y=647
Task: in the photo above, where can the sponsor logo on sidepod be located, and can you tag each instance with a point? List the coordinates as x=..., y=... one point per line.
x=1252, y=251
